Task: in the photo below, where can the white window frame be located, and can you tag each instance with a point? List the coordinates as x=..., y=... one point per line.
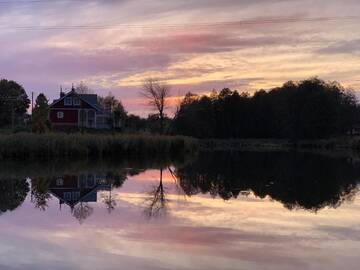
x=60, y=115
x=76, y=101
x=68, y=101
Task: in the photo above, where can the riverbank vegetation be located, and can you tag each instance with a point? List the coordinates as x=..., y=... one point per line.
x=27, y=145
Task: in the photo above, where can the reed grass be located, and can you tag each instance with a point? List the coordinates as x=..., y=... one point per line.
x=27, y=145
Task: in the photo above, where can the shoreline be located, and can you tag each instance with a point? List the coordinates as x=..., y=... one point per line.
x=339, y=143
x=77, y=145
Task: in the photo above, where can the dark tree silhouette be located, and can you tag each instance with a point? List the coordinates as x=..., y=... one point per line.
x=308, y=109
x=157, y=93
x=13, y=193
x=297, y=180
x=40, y=121
x=14, y=103
x=40, y=194
x=156, y=204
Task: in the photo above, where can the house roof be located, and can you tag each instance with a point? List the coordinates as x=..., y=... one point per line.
x=90, y=99
x=86, y=197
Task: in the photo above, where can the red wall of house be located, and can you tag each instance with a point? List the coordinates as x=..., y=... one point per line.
x=70, y=116
x=69, y=181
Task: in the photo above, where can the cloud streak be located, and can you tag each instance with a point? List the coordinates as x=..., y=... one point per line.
x=194, y=45
x=342, y=47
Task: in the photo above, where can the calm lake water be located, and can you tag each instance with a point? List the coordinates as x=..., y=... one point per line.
x=248, y=210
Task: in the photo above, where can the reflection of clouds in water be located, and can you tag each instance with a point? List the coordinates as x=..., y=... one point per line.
x=341, y=232
x=200, y=232
x=246, y=230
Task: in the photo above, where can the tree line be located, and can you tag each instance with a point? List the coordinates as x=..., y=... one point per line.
x=308, y=109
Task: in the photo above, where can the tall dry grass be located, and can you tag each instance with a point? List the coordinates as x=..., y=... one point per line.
x=27, y=145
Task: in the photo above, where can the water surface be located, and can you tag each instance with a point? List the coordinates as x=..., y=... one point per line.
x=253, y=210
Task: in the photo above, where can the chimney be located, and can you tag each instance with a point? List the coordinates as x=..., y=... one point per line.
x=62, y=94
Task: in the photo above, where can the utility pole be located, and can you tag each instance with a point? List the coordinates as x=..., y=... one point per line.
x=32, y=102
x=32, y=105
x=12, y=117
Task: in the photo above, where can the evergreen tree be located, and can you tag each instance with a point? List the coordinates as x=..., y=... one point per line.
x=40, y=121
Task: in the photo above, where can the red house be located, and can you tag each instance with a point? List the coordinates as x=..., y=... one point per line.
x=73, y=111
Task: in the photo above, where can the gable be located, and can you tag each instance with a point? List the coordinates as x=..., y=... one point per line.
x=74, y=101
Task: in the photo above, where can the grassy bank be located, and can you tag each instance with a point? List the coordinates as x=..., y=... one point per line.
x=27, y=145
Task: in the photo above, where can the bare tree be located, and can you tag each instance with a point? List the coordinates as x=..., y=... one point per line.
x=82, y=88
x=157, y=94
x=118, y=113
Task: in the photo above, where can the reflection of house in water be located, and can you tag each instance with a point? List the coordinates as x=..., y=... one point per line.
x=72, y=189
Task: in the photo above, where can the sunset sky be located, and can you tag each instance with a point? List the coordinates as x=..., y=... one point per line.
x=112, y=45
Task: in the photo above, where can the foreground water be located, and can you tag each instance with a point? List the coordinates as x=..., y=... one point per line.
x=217, y=211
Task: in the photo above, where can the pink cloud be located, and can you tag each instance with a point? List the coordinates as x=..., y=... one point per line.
x=202, y=43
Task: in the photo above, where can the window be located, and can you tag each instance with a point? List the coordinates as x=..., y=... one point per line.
x=59, y=182
x=76, y=101
x=71, y=196
x=75, y=195
x=60, y=115
x=90, y=181
x=67, y=196
x=68, y=101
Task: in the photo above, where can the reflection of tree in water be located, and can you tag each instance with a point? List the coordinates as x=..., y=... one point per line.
x=115, y=180
x=109, y=201
x=156, y=203
x=12, y=193
x=298, y=180
x=82, y=211
x=40, y=194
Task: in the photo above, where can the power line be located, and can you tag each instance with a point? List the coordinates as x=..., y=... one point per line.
x=252, y=22
x=38, y=1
